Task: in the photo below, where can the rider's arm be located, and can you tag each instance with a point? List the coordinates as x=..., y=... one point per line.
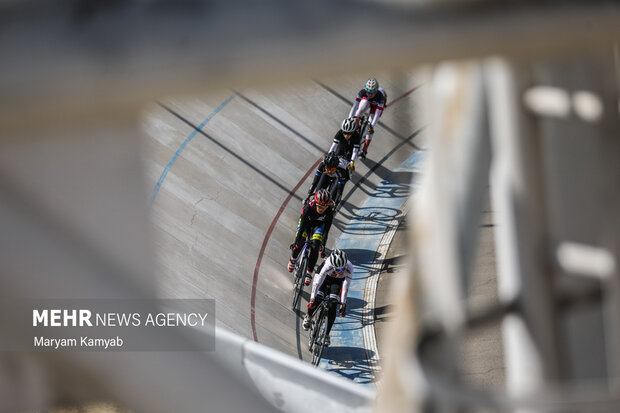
x=356, y=145
x=379, y=110
x=356, y=149
x=316, y=284
x=376, y=116
x=347, y=282
x=358, y=99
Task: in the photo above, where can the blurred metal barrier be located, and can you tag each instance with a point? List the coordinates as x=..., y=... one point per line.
x=546, y=134
x=288, y=383
x=543, y=119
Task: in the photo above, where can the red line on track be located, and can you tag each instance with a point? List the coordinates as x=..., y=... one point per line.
x=266, y=240
x=402, y=96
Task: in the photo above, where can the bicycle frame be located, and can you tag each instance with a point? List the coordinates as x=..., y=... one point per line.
x=363, y=126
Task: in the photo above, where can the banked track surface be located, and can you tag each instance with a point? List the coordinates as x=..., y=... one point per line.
x=228, y=172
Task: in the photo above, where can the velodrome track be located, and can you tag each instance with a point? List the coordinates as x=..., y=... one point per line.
x=228, y=172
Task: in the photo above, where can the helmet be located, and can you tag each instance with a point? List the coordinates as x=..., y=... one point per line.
x=331, y=160
x=348, y=125
x=339, y=258
x=322, y=197
x=372, y=85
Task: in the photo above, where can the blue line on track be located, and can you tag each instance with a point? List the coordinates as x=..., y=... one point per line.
x=346, y=355
x=183, y=145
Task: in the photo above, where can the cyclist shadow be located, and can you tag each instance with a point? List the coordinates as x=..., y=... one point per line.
x=360, y=257
x=362, y=260
x=368, y=220
x=351, y=363
x=353, y=320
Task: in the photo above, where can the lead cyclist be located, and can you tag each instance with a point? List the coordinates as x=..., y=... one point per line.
x=374, y=98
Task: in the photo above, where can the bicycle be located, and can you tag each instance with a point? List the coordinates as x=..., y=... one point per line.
x=300, y=272
x=318, y=329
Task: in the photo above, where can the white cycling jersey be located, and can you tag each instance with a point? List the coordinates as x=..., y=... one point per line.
x=376, y=105
x=329, y=270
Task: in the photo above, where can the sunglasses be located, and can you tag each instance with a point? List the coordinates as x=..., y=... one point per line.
x=330, y=170
x=340, y=270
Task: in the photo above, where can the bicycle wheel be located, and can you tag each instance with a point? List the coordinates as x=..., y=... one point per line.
x=317, y=352
x=312, y=334
x=296, y=292
x=299, y=276
x=299, y=283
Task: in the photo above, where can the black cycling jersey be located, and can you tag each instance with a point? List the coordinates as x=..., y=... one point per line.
x=345, y=146
x=311, y=219
x=325, y=179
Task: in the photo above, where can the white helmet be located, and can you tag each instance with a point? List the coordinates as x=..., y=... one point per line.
x=339, y=258
x=372, y=85
x=348, y=125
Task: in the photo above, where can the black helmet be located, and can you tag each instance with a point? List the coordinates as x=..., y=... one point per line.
x=331, y=160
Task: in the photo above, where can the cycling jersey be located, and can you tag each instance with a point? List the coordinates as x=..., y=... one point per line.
x=377, y=105
x=346, y=148
x=329, y=270
x=311, y=220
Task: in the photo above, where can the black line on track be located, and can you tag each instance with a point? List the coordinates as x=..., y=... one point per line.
x=244, y=161
x=257, y=106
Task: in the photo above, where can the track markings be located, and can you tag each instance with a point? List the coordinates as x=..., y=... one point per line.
x=191, y=136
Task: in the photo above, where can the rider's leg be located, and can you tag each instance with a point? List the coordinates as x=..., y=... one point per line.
x=296, y=247
x=368, y=137
x=323, y=182
x=363, y=107
x=315, y=181
x=339, y=187
x=317, y=300
x=367, y=143
x=314, y=252
x=333, y=291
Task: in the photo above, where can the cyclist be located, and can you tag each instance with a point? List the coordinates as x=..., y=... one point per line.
x=347, y=142
x=315, y=222
x=332, y=168
x=374, y=98
x=333, y=280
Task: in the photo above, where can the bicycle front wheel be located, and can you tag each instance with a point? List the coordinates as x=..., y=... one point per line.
x=319, y=344
x=299, y=281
